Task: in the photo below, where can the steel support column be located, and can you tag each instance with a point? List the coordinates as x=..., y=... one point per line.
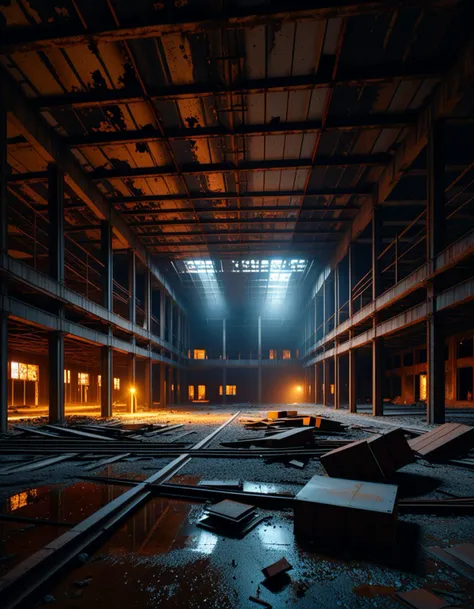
x=107, y=381
x=163, y=391
x=324, y=308
x=224, y=356
x=259, y=355
x=170, y=385
x=352, y=383
x=107, y=261
x=378, y=359
x=378, y=376
x=316, y=383
x=3, y=369
x=162, y=313
x=351, y=278
x=132, y=287
x=3, y=286
x=56, y=222
x=170, y=322
x=132, y=389
x=336, y=295
x=148, y=300
x=325, y=382
x=435, y=226
x=337, y=382
x=148, y=385
x=56, y=376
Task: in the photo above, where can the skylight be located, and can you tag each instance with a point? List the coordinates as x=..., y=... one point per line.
x=278, y=274
x=268, y=265
x=206, y=275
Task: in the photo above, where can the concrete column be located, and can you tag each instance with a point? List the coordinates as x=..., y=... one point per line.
x=132, y=369
x=352, y=380
x=336, y=295
x=56, y=376
x=163, y=392
x=107, y=261
x=315, y=381
x=435, y=226
x=107, y=381
x=148, y=300
x=3, y=369
x=132, y=287
x=56, y=222
x=179, y=329
x=337, y=382
x=378, y=359
x=148, y=385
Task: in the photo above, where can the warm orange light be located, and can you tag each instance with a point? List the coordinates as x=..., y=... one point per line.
x=133, y=390
x=299, y=388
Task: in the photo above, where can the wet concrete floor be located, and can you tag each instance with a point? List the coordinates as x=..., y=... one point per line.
x=160, y=558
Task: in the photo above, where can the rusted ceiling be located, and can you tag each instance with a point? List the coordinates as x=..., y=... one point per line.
x=218, y=130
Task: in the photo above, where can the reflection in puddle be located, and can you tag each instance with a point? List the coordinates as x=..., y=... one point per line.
x=58, y=503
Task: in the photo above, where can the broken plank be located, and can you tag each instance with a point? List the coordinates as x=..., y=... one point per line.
x=81, y=434
x=422, y=599
x=292, y=437
x=277, y=568
x=107, y=461
x=463, y=552
x=163, y=430
x=451, y=561
x=34, y=431
x=39, y=464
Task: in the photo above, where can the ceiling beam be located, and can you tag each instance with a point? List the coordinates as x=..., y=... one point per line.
x=348, y=77
x=227, y=233
x=346, y=124
x=50, y=147
x=172, y=20
x=252, y=242
x=457, y=83
x=235, y=210
x=260, y=194
x=226, y=221
x=201, y=169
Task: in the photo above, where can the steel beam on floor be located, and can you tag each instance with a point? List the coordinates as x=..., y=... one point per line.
x=39, y=568
x=56, y=376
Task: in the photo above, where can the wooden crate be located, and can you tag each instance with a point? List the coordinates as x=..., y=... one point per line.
x=448, y=440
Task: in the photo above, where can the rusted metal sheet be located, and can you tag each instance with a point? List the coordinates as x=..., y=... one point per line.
x=447, y=440
x=347, y=512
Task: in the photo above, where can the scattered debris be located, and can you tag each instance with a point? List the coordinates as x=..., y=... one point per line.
x=451, y=561
x=463, y=552
x=277, y=568
x=259, y=601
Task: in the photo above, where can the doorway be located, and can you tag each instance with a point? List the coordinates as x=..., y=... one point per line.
x=465, y=384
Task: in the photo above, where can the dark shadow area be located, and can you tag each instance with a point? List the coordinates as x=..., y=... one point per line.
x=414, y=485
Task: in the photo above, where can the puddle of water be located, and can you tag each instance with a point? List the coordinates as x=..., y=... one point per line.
x=57, y=503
